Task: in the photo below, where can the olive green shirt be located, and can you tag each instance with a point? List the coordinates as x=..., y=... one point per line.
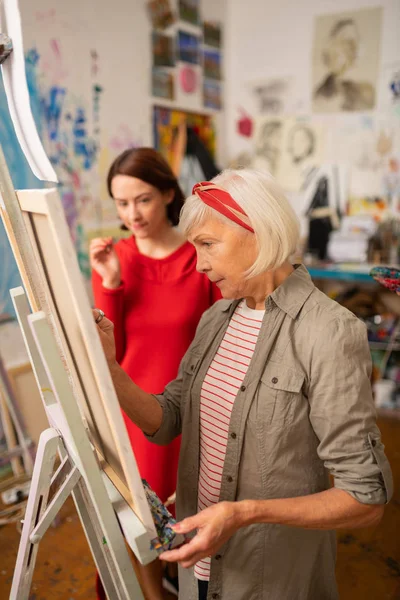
x=305, y=410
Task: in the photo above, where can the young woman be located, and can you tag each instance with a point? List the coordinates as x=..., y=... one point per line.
x=149, y=287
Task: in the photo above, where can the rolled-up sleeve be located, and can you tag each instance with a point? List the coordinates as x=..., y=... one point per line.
x=170, y=402
x=342, y=412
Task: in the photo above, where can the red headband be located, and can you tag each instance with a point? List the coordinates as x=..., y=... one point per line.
x=221, y=201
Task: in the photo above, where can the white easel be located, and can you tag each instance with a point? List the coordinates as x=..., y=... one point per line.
x=79, y=473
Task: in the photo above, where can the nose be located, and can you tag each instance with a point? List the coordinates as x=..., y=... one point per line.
x=202, y=265
x=134, y=213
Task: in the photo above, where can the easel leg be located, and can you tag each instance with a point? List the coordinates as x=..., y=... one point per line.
x=37, y=502
x=94, y=537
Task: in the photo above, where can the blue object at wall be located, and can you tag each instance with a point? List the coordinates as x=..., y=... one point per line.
x=22, y=178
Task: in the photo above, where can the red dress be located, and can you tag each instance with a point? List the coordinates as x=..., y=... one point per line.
x=155, y=312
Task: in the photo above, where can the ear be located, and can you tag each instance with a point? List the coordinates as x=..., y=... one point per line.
x=169, y=196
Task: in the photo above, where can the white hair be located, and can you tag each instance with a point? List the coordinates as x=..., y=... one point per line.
x=274, y=221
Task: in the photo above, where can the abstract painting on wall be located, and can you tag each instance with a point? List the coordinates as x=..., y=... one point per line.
x=188, y=10
x=163, y=50
x=188, y=47
x=345, y=60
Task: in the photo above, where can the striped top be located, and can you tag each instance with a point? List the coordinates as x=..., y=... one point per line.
x=220, y=387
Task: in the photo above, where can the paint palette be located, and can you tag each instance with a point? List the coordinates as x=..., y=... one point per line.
x=163, y=520
x=389, y=277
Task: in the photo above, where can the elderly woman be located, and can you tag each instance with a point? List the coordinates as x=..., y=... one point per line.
x=272, y=397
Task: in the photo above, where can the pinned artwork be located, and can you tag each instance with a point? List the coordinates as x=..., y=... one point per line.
x=268, y=143
x=390, y=87
x=212, y=35
x=346, y=56
x=244, y=125
x=163, y=50
x=212, y=94
x=274, y=96
x=288, y=148
x=188, y=88
x=163, y=84
x=303, y=147
x=188, y=10
x=166, y=123
x=212, y=64
x=160, y=13
x=188, y=79
x=188, y=48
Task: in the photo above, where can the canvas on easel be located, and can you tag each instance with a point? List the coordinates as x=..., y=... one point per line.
x=39, y=235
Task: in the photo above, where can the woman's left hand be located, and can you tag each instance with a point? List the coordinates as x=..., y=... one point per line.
x=215, y=525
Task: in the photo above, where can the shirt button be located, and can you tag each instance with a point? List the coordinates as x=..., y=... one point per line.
x=242, y=388
x=233, y=435
x=192, y=367
x=274, y=380
x=215, y=596
x=229, y=479
x=217, y=557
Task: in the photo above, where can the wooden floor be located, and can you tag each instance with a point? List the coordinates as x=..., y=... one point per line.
x=368, y=560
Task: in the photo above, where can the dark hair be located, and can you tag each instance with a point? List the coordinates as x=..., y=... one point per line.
x=150, y=166
x=341, y=24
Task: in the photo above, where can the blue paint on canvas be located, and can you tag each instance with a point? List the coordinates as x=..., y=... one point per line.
x=22, y=178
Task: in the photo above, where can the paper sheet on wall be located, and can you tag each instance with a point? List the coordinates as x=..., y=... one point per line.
x=14, y=77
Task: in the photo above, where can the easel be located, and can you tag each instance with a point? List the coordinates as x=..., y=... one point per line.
x=78, y=474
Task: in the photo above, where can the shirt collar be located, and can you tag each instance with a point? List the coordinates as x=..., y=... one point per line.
x=290, y=296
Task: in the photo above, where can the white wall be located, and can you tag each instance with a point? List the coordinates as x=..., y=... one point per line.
x=64, y=35
x=268, y=38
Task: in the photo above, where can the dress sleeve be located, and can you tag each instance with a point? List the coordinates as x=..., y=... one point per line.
x=111, y=303
x=342, y=412
x=174, y=395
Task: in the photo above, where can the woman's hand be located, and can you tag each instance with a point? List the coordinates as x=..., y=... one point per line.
x=215, y=525
x=104, y=260
x=106, y=332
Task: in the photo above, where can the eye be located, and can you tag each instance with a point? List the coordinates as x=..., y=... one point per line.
x=206, y=244
x=144, y=200
x=122, y=203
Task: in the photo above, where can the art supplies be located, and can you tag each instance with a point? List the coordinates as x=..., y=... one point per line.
x=389, y=277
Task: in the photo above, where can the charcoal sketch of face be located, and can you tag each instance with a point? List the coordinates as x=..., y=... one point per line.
x=338, y=90
x=269, y=143
x=341, y=51
x=301, y=143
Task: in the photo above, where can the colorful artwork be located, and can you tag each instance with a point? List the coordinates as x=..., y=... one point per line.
x=374, y=206
x=346, y=60
x=212, y=64
x=163, y=50
x=188, y=47
x=212, y=94
x=188, y=10
x=22, y=177
x=212, y=35
x=166, y=122
x=160, y=13
x=162, y=84
x=390, y=86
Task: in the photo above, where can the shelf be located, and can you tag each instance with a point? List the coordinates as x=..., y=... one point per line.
x=388, y=413
x=342, y=272
x=384, y=346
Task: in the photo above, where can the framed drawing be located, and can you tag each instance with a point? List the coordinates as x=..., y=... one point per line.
x=40, y=238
